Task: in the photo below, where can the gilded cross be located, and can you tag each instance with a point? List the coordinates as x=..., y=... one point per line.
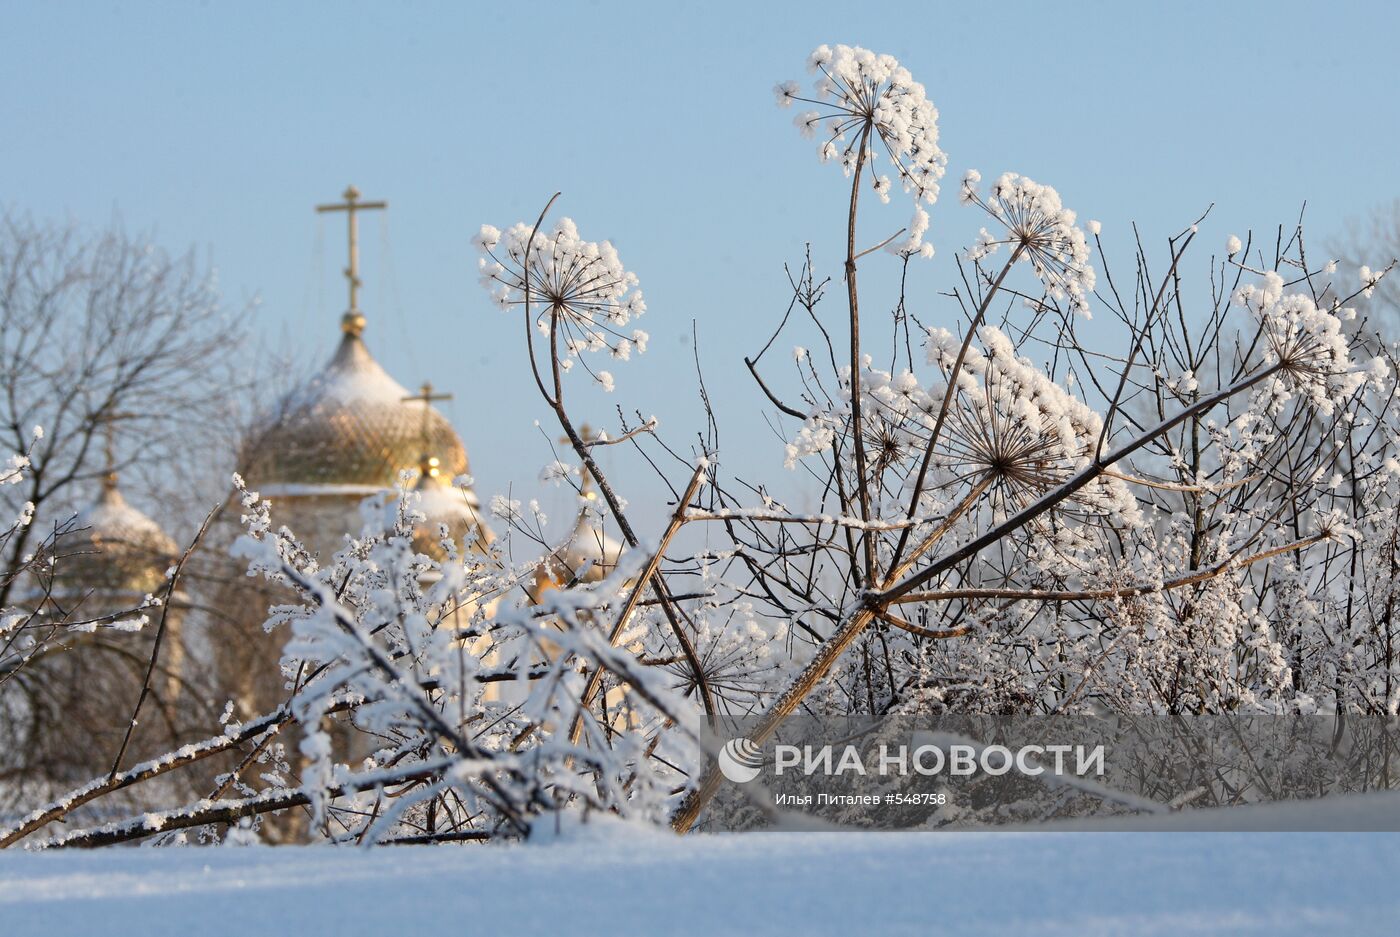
x=351, y=206
x=108, y=419
x=426, y=396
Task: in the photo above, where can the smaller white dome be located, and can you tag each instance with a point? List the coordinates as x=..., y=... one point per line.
x=445, y=504
x=589, y=555
x=112, y=547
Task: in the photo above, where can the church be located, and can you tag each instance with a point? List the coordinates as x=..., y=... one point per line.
x=349, y=432
x=352, y=431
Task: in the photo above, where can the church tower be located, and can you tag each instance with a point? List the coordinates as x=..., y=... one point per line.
x=351, y=431
x=112, y=557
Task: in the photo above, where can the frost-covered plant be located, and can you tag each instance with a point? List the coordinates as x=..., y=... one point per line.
x=29, y=629
x=1035, y=527
x=582, y=282
x=463, y=701
x=48, y=638
x=16, y=647
x=865, y=104
x=575, y=292
x=1307, y=344
x=1038, y=229
x=418, y=677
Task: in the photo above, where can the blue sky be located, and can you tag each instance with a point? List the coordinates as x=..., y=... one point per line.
x=220, y=125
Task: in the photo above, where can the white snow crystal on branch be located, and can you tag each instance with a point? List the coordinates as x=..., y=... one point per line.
x=506, y=509
x=1369, y=279
x=416, y=648
x=1026, y=433
x=1010, y=425
x=12, y=470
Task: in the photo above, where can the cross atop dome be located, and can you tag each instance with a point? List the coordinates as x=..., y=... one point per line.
x=427, y=398
x=108, y=419
x=350, y=430
x=353, y=322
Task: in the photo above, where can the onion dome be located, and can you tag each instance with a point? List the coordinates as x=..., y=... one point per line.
x=445, y=505
x=349, y=430
x=112, y=548
x=589, y=554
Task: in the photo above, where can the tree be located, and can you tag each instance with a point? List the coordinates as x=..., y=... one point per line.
x=99, y=328
x=126, y=357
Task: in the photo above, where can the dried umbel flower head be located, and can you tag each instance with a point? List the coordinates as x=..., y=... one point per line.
x=870, y=100
x=997, y=441
x=1041, y=229
x=1017, y=429
x=578, y=291
x=895, y=417
x=894, y=420
x=1307, y=343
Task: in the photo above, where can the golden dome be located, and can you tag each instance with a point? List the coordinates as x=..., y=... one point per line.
x=443, y=504
x=112, y=548
x=349, y=430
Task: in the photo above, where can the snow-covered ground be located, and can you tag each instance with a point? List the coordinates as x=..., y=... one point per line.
x=639, y=882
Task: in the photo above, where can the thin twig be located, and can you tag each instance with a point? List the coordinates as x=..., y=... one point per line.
x=160, y=636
